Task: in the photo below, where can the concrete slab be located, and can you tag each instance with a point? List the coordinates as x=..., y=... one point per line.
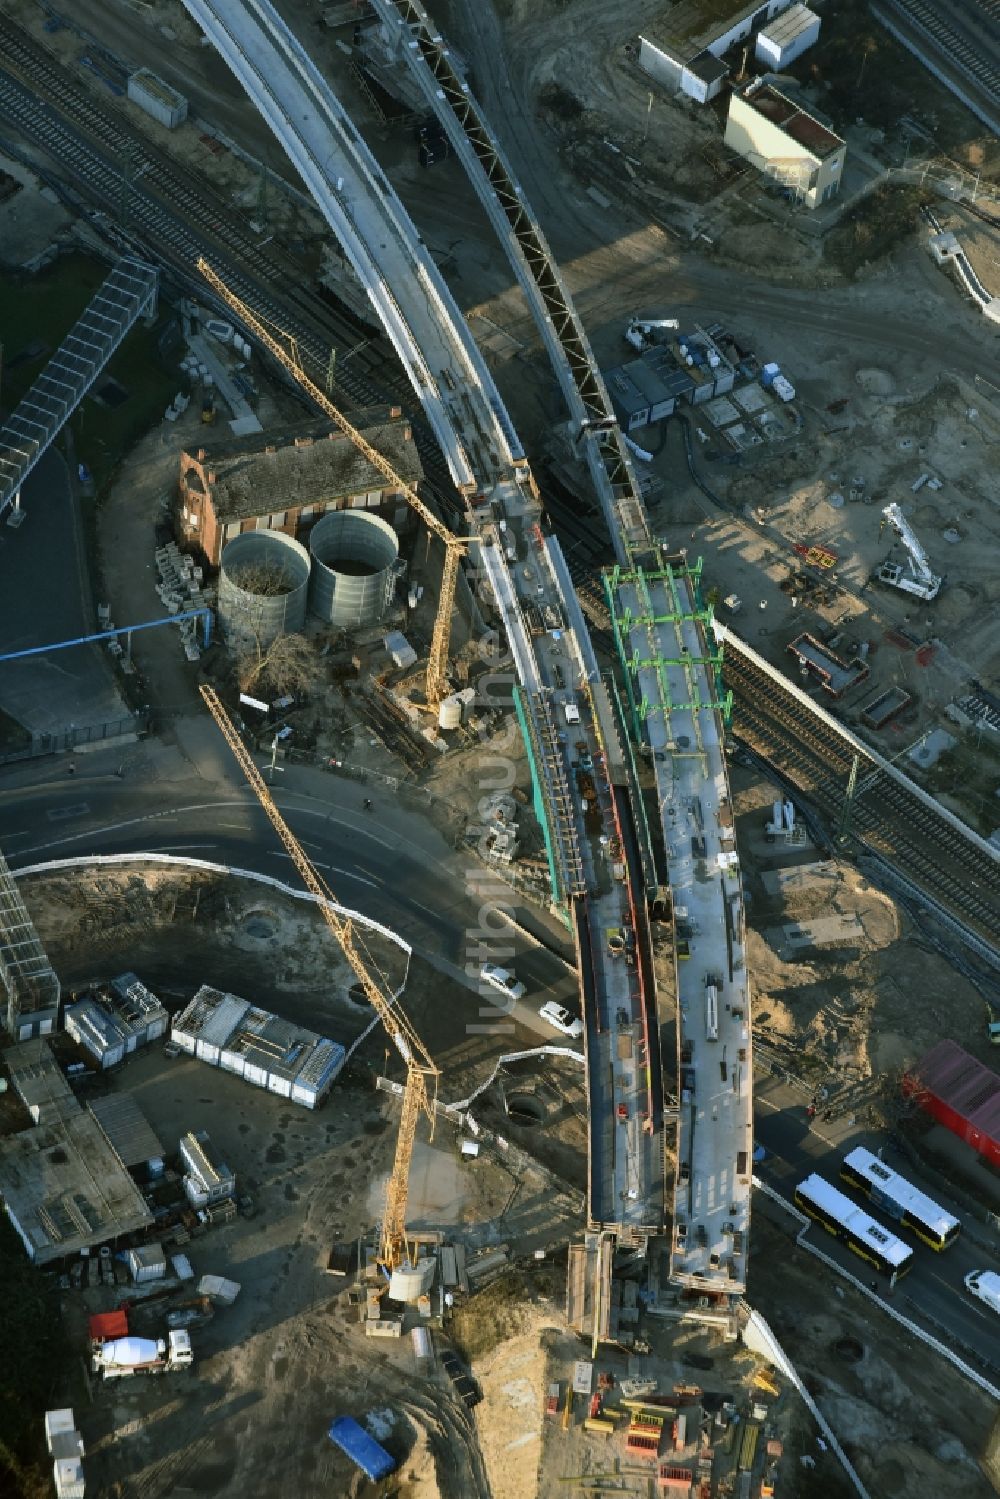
x=751, y=398
x=31, y=220
x=822, y=875
x=721, y=412
x=930, y=749
x=825, y=931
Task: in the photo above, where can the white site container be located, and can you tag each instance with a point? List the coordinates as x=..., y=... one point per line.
x=67, y=1475
x=57, y=1423
x=157, y=98
x=148, y=1262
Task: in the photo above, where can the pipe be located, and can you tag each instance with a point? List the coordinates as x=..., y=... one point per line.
x=149, y=624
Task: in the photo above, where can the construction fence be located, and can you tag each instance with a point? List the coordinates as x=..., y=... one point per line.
x=127, y=729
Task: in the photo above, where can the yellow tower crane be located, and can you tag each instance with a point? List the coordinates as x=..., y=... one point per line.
x=421, y=1073
x=455, y=546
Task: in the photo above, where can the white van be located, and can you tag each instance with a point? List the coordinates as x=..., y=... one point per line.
x=571, y=711
x=986, y=1285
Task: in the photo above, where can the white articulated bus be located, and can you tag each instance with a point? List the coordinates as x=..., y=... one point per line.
x=897, y=1197
x=843, y=1218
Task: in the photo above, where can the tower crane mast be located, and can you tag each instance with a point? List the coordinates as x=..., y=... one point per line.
x=455, y=546
x=421, y=1072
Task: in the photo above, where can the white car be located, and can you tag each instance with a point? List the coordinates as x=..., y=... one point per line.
x=502, y=979
x=561, y=1020
x=986, y=1285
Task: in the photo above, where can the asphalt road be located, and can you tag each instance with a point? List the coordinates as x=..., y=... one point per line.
x=364, y=858
x=932, y=1294
x=44, y=597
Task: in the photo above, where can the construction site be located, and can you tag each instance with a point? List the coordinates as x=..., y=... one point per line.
x=524, y=785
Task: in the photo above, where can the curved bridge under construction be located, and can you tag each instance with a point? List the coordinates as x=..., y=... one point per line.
x=585, y=790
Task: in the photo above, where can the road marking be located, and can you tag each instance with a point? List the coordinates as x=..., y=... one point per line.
x=56, y=814
x=776, y=1108
x=348, y=874
x=182, y=848
x=130, y=822
x=247, y=803
x=968, y=1303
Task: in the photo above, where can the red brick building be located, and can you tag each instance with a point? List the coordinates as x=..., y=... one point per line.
x=285, y=480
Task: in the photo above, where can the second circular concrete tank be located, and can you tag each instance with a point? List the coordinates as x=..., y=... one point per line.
x=352, y=577
x=263, y=587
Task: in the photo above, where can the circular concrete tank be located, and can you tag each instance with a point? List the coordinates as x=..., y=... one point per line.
x=352, y=576
x=263, y=587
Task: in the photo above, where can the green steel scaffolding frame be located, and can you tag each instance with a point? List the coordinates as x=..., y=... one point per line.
x=647, y=616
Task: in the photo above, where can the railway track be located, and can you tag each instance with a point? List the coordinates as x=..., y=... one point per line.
x=925, y=847
x=172, y=222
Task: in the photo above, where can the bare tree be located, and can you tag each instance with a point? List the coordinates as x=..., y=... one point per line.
x=286, y=664
x=265, y=661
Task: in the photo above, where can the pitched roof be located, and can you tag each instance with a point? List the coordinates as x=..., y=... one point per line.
x=308, y=465
x=964, y=1084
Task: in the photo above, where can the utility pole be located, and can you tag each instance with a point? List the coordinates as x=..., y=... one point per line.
x=649, y=111
x=331, y=366
x=854, y=790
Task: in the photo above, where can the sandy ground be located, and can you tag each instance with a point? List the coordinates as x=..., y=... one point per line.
x=855, y=1009
x=272, y=1371
x=254, y=942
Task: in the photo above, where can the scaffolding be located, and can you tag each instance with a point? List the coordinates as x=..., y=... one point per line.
x=649, y=617
x=30, y=985
x=552, y=796
x=128, y=294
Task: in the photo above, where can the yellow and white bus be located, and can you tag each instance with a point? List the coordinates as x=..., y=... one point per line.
x=899, y=1198
x=842, y=1217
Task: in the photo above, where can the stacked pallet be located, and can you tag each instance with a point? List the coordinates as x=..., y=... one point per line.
x=180, y=591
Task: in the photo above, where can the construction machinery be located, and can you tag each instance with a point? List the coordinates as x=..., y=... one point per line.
x=639, y=332
x=916, y=577
x=119, y=1358
x=438, y=686
x=782, y=827
x=393, y=1252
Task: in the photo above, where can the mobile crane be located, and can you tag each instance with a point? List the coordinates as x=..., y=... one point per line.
x=393, y=1249
x=918, y=579
x=438, y=686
